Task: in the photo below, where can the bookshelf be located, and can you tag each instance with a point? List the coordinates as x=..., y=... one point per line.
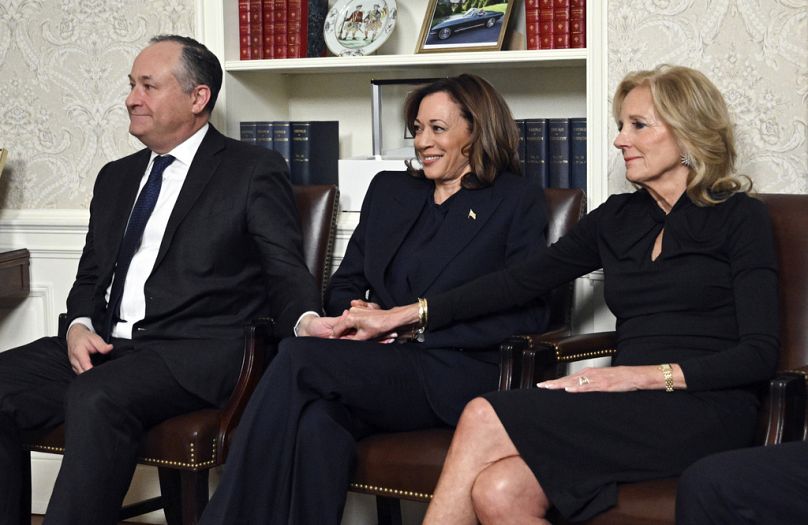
x=559, y=82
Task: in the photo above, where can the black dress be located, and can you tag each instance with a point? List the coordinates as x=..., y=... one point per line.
x=708, y=302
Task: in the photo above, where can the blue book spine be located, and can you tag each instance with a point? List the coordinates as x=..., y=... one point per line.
x=520, y=127
x=318, y=9
x=315, y=152
x=558, y=152
x=536, y=151
x=281, y=133
x=578, y=153
x=263, y=134
x=247, y=132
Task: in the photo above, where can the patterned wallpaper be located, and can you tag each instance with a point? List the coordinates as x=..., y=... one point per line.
x=756, y=52
x=63, y=79
x=63, y=67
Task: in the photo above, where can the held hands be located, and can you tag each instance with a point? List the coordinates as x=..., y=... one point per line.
x=81, y=343
x=614, y=379
x=364, y=322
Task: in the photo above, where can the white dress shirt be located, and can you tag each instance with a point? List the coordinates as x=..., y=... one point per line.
x=133, y=302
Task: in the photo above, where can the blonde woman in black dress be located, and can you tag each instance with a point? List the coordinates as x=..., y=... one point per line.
x=691, y=276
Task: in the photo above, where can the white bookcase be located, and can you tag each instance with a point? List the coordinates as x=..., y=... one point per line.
x=545, y=83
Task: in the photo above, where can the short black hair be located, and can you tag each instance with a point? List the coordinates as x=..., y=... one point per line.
x=199, y=66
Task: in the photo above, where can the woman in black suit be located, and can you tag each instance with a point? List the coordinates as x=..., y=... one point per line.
x=465, y=212
x=691, y=276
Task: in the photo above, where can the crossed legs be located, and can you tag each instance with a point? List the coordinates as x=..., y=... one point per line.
x=484, y=479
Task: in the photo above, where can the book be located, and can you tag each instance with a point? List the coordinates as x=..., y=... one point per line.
x=558, y=153
x=297, y=33
x=545, y=24
x=578, y=153
x=532, y=23
x=256, y=30
x=577, y=23
x=520, y=127
x=247, y=131
x=279, y=29
x=318, y=10
x=536, y=151
x=263, y=134
x=561, y=24
x=244, y=44
x=281, y=132
x=268, y=27
x=315, y=152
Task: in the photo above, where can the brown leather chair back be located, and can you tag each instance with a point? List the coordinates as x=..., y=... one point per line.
x=317, y=209
x=565, y=207
x=789, y=215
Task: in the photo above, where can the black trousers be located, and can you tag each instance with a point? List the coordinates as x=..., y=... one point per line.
x=295, y=447
x=760, y=486
x=105, y=411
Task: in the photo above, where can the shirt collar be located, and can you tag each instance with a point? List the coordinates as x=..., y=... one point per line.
x=186, y=151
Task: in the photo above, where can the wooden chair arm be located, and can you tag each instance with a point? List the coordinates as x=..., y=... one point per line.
x=786, y=407
x=547, y=353
x=260, y=347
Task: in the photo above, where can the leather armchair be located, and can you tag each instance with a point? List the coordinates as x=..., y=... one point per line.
x=783, y=414
x=407, y=465
x=186, y=447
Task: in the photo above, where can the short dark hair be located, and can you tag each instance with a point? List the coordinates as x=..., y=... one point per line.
x=494, y=142
x=198, y=66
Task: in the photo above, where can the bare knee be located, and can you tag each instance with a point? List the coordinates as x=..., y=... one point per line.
x=507, y=492
x=478, y=414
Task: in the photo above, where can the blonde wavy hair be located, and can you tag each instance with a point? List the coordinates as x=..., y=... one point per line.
x=698, y=117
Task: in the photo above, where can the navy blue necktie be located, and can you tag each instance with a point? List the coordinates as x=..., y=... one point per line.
x=131, y=240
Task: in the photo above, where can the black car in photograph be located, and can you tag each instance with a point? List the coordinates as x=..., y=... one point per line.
x=469, y=20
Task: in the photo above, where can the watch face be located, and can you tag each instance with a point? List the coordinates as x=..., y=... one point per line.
x=359, y=27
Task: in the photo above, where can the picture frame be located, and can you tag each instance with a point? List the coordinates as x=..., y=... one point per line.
x=447, y=27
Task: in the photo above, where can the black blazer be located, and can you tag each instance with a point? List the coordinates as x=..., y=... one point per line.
x=231, y=252
x=510, y=223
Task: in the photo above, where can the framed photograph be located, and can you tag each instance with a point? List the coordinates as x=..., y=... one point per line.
x=464, y=25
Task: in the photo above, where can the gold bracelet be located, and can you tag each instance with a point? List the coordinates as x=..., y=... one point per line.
x=423, y=314
x=667, y=373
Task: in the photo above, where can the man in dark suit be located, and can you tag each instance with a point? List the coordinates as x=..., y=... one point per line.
x=188, y=239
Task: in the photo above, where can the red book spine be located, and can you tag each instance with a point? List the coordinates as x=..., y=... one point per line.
x=545, y=24
x=577, y=23
x=561, y=24
x=297, y=28
x=532, y=23
x=244, y=30
x=280, y=29
x=256, y=29
x=268, y=14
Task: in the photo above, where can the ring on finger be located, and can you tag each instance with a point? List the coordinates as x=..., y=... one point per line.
x=583, y=380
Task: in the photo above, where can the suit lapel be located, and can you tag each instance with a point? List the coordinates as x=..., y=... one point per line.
x=201, y=170
x=385, y=237
x=466, y=217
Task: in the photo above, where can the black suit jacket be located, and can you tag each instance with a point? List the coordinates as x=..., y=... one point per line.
x=487, y=229
x=231, y=252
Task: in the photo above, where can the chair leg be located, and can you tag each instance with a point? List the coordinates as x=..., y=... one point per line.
x=185, y=494
x=25, y=488
x=388, y=510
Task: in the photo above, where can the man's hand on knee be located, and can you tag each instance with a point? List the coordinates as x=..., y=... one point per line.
x=81, y=343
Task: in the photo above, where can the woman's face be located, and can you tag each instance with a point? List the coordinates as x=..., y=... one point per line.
x=650, y=151
x=440, y=135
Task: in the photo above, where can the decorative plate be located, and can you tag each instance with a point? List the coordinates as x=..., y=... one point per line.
x=359, y=27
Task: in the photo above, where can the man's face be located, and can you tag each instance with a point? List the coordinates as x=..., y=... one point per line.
x=161, y=114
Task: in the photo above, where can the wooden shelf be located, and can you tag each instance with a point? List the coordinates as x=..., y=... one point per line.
x=505, y=59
